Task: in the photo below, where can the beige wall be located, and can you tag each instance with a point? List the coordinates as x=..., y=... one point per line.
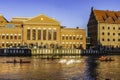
x=113, y=34
x=79, y=34
x=5, y=36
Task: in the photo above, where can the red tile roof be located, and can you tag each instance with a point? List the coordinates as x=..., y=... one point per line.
x=106, y=16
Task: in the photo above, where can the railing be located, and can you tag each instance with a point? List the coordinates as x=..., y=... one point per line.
x=56, y=51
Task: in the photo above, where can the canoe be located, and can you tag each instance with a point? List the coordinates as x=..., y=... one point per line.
x=104, y=58
x=18, y=62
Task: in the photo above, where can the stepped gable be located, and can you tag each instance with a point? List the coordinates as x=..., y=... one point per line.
x=42, y=19
x=107, y=16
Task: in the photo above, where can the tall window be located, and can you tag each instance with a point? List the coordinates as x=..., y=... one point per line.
x=3, y=36
x=108, y=33
x=108, y=27
x=39, y=34
x=44, y=34
x=54, y=34
x=81, y=37
x=11, y=37
x=28, y=34
x=63, y=37
x=70, y=37
x=19, y=36
x=33, y=34
x=66, y=37
x=15, y=37
x=7, y=37
x=49, y=34
x=74, y=37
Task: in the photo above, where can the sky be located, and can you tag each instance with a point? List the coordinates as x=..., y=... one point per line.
x=70, y=13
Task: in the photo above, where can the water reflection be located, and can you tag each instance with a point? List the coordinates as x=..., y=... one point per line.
x=90, y=71
x=40, y=69
x=84, y=68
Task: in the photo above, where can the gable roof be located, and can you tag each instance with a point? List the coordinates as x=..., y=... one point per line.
x=19, y=20
x=42, y=19
x=3, y=20
x=107, y=16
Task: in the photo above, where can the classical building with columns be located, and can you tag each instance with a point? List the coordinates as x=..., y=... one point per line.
x=40, y=31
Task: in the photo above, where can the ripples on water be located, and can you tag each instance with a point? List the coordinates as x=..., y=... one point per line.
x=40, y=69
x=84, y=68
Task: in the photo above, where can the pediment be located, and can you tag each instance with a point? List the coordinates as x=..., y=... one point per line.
x=42, y=19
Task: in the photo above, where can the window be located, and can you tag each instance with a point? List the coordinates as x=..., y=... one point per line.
x=108, y=39
x=102, y=33
x=118, y=34
x=15, y=37
x=74, y=38
x=113, y=28
x=33, y=34
x=49, y=34
x=3, y=37
x=113, y=33
x=67, y=37
x=118, y=39
x=70, y=37
x=81, y=38
x=103, y=27
x=11, y=37
x=108, y=33
x=108, y=27
x=39, y=34
x=118, y=28
x=19, y=37
x=103, y=40
x=63, y=38
x=77, y=37
x=44, y=34
x=3, y=44
x=7, y=37
x=113, y=39
x=28, y=34
x=54, y=34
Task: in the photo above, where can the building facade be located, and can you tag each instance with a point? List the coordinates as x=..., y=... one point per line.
x=41, y=32
x=104, y=28
x=73, y=38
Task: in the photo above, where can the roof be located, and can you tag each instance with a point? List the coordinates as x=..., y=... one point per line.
x=107, y=16
x=42, y=19
x=19, y=20
x=3, y=20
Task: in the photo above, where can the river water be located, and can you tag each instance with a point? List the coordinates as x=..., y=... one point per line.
x=83, y=68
